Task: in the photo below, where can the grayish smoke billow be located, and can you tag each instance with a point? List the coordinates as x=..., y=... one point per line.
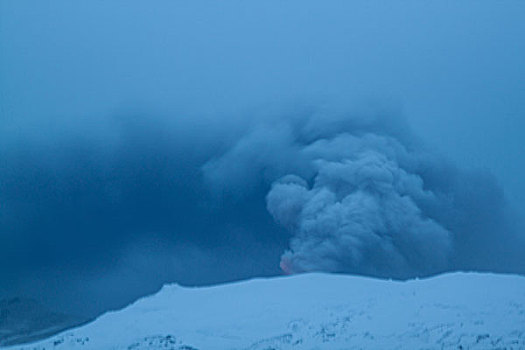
x=105, y=130
x=362, y=195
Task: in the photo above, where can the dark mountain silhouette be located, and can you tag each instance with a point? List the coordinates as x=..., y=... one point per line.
x=23, y=320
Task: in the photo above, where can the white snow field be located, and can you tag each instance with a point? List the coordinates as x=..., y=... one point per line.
x=316, y=311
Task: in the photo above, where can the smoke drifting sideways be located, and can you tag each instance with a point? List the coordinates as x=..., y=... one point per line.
x=140, y=145
x=95, y=215
x=359, y=193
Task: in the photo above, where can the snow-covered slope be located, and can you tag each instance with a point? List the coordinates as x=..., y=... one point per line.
x=316, y=311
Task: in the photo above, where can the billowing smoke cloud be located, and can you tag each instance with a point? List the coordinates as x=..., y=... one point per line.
x=92, y=219
x=361, y=215
x=360, y=194
x=112, y=112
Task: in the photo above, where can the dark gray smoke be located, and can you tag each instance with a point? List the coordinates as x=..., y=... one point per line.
x=118, y=117
x=360, y=194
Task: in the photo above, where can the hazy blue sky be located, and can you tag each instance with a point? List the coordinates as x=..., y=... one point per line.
x=109, y=110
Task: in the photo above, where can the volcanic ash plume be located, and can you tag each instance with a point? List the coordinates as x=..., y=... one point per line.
x=360, y=214
x=363, y=195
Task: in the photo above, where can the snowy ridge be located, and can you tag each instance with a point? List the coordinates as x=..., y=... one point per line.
x=316, y=311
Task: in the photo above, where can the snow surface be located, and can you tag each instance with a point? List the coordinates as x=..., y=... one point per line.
x=316, y=311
